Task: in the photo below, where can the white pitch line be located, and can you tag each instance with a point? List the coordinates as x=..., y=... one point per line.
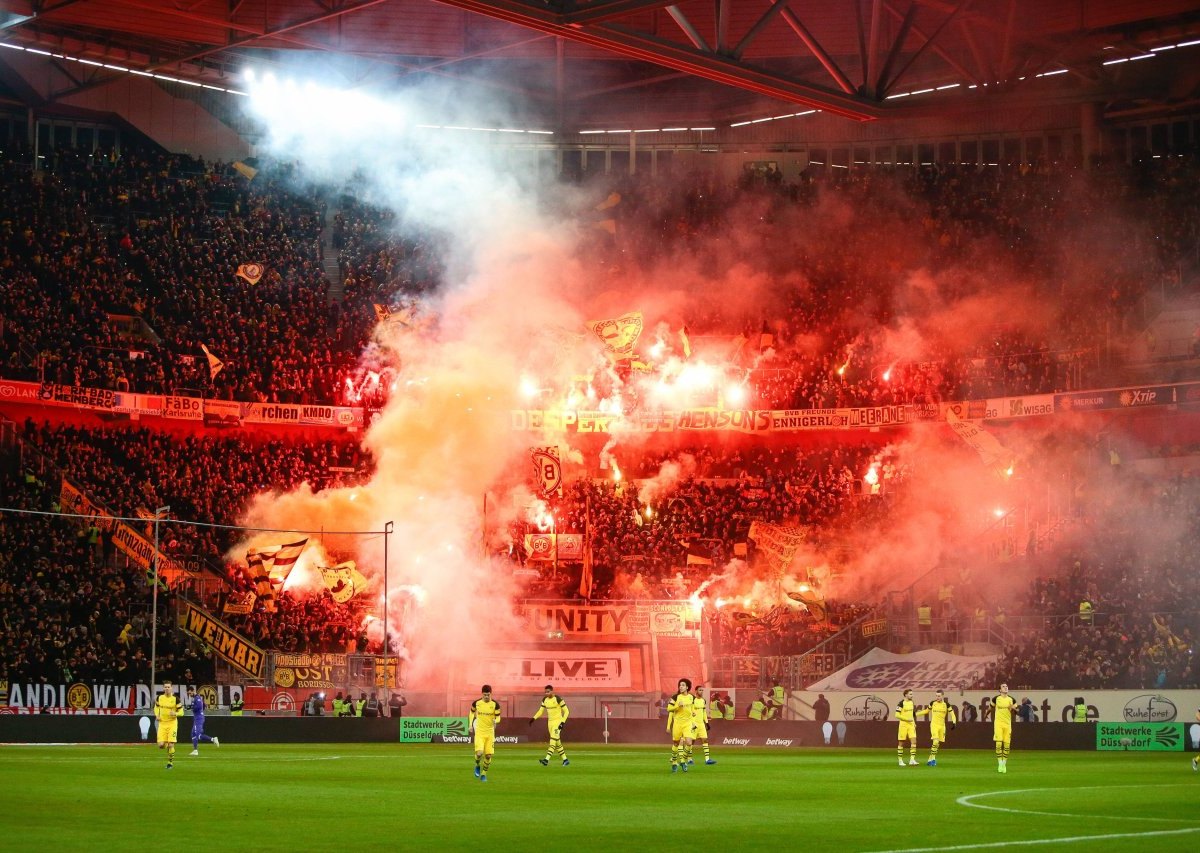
x=966, y=800
x=1073, y=839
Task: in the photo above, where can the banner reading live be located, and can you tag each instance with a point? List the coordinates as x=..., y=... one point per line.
x=225, y=642
x=565, y=669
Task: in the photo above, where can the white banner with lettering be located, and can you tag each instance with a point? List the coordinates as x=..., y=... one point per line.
x=565, y=669
x=928, y=668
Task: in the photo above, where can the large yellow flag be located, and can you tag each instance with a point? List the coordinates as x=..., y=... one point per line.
x=343, y=580
x=620, y=334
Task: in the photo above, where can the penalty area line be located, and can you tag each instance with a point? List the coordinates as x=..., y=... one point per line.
x=1073, y=839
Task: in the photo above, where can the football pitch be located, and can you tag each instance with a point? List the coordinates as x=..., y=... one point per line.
x=352, y=798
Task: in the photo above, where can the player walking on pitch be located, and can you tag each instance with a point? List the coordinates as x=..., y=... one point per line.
x=1002, y=706
x=556, y=711
x=484, y=716
x=906, y=714
x=681, y=723
x=701, y=732
x=167, y=711
x=940, y=712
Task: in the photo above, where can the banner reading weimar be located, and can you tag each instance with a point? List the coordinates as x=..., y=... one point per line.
x=228, y=644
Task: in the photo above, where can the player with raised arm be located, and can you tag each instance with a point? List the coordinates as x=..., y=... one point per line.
x=556, y=711
x=1002, y=707
x=906, y=714
x=940, y=712
x=483, y=719
x=681, y=723
x=167, y=711
x=195, y=702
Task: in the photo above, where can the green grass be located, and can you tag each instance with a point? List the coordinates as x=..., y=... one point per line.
x=355, y=798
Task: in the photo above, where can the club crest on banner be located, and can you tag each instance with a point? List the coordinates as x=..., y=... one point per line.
x=547, y=466
x=619, y=334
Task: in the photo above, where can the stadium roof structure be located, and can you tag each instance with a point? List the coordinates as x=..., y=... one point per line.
x=578, y=63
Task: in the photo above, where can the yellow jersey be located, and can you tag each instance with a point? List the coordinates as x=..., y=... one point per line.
x=484, y=716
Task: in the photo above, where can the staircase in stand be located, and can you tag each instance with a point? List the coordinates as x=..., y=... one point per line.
x=679, y=657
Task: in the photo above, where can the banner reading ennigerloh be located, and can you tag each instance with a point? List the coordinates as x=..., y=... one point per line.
x=227, y=643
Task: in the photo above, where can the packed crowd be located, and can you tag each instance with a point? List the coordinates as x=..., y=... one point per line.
x=68, y=610
x=115, y=270
x=1114, y=608
x=119, y=269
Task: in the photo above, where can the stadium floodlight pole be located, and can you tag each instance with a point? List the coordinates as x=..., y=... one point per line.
x=158, y=514
x=387, y=532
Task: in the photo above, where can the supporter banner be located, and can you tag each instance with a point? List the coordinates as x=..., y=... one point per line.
x=97, y=699
x=565, y=547
x=1045, y=706
x=565, y=669
x=77, y=395
x=673, y=619
x=1140, y=737
x=713, y=420
x=929, y=668
x=222, y=413
x=343, y=581
x=240, y=603
x=991, y=452
x=125, y=538
x=141, y=552
x=387, y=671
x=1020, y=407
x=307, y=671
x=73, y=500
x=547, y=470
x=777, y=542
x=426, y=729
x=183, y=408
x=227, y=643
x=873, y=628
